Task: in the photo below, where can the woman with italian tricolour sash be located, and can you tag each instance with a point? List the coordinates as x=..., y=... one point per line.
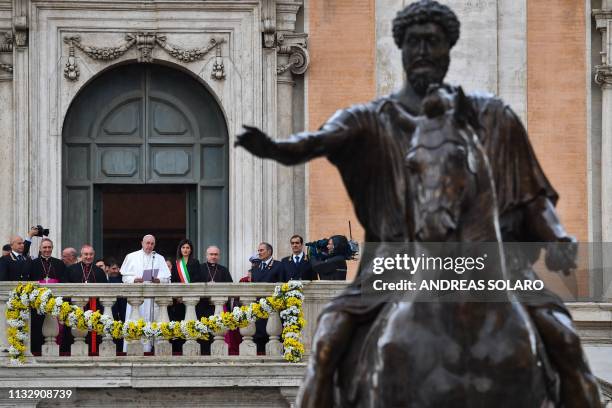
x=186, y=269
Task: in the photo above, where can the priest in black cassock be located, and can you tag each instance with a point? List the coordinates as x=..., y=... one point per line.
x=211, y=272
x=87, y=272
x=45, y=269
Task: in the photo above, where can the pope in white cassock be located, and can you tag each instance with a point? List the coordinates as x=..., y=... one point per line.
x=138, y=267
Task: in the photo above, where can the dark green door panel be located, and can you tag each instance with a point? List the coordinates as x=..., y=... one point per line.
x=145, y=124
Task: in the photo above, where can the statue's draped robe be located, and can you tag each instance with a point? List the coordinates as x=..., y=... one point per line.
x=368, y=144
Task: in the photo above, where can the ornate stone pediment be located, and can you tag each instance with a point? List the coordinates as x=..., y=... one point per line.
x=145, y=42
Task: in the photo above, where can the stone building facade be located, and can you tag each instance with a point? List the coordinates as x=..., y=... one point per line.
x=68, y=146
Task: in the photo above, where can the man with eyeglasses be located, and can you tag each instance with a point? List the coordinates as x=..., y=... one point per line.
x=297, y=266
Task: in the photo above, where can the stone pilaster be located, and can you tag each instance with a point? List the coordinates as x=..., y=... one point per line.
x=603, y=77
x=21, y=118
x=292, y=61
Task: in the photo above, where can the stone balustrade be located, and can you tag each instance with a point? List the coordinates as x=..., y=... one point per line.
x=161, y=377
x=316, y=295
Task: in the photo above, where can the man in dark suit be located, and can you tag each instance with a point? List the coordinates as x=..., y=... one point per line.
x=270, y=269
x=44, y=269
x=297, y=266
x=13, y=265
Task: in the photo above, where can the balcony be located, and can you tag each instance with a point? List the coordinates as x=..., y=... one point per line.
x=162, y=379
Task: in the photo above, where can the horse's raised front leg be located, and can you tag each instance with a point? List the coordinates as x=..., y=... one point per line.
x=578, y=385
x=330, y=340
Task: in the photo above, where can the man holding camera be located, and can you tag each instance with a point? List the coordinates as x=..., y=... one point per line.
x=13, y=265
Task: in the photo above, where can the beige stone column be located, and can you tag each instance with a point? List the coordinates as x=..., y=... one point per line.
x=603, y=77
x=108, y=347
x=248, y=346
x=274, y=328
x=163, y=346
x=3, y=326
x=50, y=330
x=218, y=346
x=22, y=178
x=135, y=347
x=191, y=346
x=292, y=61
x=79, y=347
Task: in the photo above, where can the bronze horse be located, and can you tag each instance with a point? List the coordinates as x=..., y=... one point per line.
x=460, y=353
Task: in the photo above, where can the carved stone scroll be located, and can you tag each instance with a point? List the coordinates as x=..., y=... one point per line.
x=6, y=67
x=603, y=75
x=20, y=26
x=294, y=46
x=7, y=45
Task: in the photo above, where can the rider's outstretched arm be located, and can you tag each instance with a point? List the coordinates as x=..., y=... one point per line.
x=328, y=141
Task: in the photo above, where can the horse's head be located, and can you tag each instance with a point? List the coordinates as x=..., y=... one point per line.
x=445, y=166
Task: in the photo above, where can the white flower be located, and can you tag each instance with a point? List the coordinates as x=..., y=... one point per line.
x=295, y=284
x=150, y=332
x=15, y=323
x=202, y=328
x=294, y=293
x=265, y=305
x=16, y=362
x=238, y=314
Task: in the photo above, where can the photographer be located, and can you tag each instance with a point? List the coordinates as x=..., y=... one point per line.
x=333, y=267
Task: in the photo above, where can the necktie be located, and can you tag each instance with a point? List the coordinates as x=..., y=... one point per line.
x=296, y=259
x=20, y=257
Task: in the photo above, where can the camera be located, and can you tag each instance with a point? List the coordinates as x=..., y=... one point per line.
x=41, y=231
x=317, y=250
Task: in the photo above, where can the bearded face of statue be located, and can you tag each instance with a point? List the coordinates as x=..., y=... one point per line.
x=425, y=55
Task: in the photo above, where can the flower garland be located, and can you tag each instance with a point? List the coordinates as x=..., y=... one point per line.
x=287, y=299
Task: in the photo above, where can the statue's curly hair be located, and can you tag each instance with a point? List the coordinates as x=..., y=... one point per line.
x=426, y=11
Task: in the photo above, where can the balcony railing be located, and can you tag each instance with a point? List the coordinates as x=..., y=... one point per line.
x=316, y=295
x=269, y=376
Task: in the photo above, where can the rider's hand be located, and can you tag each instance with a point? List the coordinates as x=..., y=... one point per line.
x=561, y=255
x=255, y=141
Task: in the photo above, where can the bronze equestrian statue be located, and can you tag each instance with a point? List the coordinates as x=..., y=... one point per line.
x=380, y=185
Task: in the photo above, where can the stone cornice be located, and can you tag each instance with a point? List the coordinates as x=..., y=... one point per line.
x=601, y=16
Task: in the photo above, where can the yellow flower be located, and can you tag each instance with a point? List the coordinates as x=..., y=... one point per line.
x=293, y=301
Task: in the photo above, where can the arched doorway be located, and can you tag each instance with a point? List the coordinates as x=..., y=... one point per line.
x=145, y=150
